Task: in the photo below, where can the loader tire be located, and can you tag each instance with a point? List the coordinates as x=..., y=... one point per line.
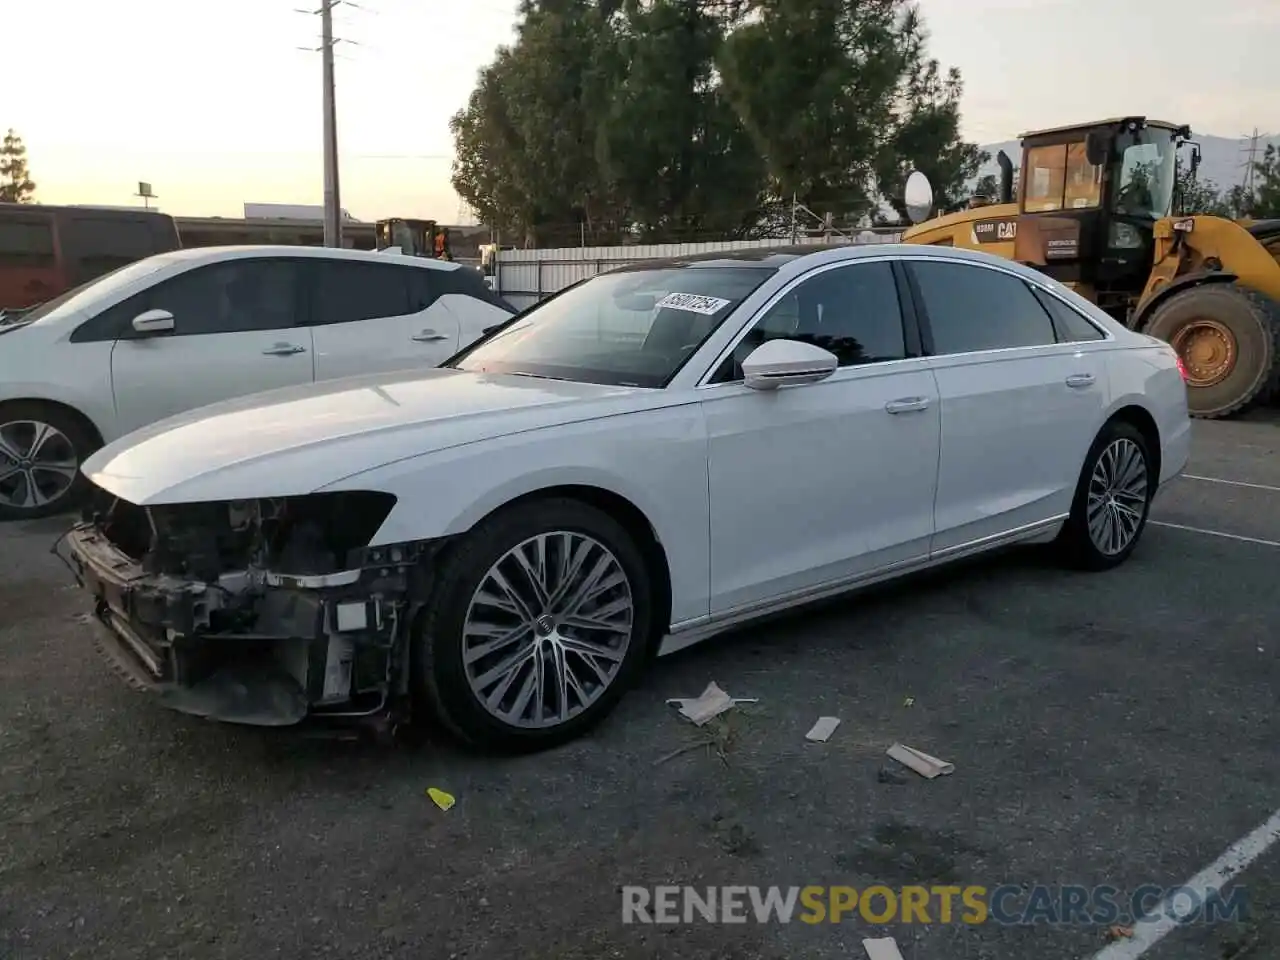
x=1228, y=337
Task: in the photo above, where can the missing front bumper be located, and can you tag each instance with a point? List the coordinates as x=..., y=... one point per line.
x=261, y=649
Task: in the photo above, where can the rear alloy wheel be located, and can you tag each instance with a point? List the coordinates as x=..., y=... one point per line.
x=1228, y=338
x=1112, y=500
x=539, y=623
x=41, y=449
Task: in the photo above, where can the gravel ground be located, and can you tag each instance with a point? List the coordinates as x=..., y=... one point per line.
x=1106, y=729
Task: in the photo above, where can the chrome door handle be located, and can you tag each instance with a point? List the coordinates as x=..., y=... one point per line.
x=907, y=405
x=1080, y=380
x=428, y=336
x=284, y=350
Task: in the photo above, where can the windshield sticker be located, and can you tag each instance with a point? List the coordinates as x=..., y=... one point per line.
x=693, y=303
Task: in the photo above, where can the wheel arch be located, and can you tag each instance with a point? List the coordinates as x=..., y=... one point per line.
x=82, y=418
x=1142, y=315
x=1140, y=419
x=636, y=523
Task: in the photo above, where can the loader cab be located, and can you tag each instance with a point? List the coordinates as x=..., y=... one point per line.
x=413, y=238
x=1089, y=198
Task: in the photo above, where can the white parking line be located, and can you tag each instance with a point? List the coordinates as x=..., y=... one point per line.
x=1215, y=533
x=1232, y=483
x=1234, y=859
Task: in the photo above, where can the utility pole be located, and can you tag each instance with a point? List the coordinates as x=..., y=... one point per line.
x=332, y=195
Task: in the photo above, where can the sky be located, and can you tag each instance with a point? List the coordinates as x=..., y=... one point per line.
x=218, y=104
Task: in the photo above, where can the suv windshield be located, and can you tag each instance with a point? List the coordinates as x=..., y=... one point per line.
x=1147, y=169
x=633, y=327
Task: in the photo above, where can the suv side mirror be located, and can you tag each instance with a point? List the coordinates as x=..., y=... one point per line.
x=153, y=321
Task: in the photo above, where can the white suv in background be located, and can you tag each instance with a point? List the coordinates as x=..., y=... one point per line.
x=184, y=329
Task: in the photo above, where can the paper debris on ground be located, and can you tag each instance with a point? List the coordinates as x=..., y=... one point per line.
x=823, y=729
x=441, y=799
x=886, y=948
x=923, y=764
x=908, y=701
x=1118, y=932
x=712, y=703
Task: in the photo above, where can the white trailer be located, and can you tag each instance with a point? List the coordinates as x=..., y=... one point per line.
x=523, y=277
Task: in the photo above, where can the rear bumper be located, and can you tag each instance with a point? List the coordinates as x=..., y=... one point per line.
x=271, y=653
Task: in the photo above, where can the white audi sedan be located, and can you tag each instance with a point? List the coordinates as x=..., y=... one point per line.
x=188, y=328
x=643, y=460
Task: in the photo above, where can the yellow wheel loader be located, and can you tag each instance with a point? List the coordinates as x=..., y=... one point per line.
x=1094, y=210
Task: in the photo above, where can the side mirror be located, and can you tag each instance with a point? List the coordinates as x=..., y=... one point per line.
x=153, y=321
x=1097, y=148
x=787, y=363
x=917, y=197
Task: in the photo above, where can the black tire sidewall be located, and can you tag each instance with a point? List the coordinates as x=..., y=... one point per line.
x=439, y=675
x=81, y=439
x=1255, y=351
x=1080, y=546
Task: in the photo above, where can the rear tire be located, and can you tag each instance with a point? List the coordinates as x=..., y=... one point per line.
x=42, y=447
x=1234, y=323
x=546, y=630
x=1112, y=501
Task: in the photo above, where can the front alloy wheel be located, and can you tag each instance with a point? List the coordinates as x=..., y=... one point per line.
x=40, y=453
x=540, y=618
x=547, y=629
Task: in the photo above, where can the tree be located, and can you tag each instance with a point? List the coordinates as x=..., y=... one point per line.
x=671, y=142
x=702, y=119
x=524, y=144
x=924, y=133
x=1196, y=196
x=1266, y=172
x=987, y=186
x=16, y=185
x=814, y=83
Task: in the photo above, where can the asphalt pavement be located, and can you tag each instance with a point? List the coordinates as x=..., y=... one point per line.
x=1111, y=729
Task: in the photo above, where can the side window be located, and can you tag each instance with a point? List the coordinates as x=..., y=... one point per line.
x=26, y=242
x=852, y=311
x=347, y=291
x=973, y=308
x=113, y=322
x=1045, y=178
x=230, y=297
x=1071, y=326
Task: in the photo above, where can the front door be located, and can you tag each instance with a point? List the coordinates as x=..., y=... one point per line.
x=234, y=333
x=1021, y=401
x=816, y=485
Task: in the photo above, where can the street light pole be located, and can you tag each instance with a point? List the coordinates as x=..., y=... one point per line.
x=332, y=199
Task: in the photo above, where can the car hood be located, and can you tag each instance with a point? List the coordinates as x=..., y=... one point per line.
x=298, y=439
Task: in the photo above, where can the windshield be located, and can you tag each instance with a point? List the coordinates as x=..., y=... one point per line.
x=635, y=327
x=1147, y=169
x=100, y=286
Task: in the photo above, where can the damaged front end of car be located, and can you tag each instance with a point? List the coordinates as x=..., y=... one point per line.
x=262, y=612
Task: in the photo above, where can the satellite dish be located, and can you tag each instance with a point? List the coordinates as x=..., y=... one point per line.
x=918, y=197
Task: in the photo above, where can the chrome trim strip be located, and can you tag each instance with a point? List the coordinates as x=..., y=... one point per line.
x=696, y=629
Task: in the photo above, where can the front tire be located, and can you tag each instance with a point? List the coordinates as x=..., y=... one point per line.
x=539, y=622
x=42, y=447
x=1112, y=500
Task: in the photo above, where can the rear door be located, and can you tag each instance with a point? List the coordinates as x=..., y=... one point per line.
x=1021, y=402
x=29, y=269
x=369, y=317
x=236, y=332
